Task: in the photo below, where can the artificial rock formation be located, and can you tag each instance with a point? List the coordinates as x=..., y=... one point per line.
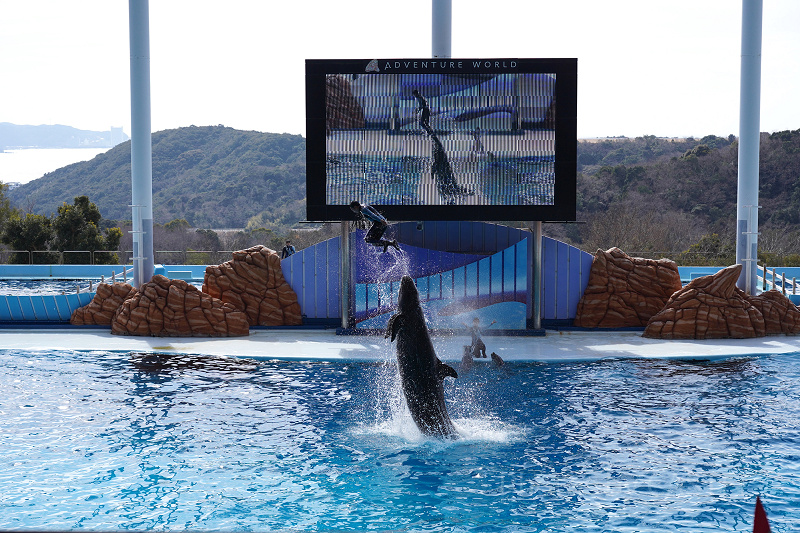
x=101, y=310
x=253, y=282
x=173, y=308
x=711, y=307
x=625, y=291
x=780, y=314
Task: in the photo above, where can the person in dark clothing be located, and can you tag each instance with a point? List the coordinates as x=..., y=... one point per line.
x=379, y=224
x=287, y=250
x=477, y=348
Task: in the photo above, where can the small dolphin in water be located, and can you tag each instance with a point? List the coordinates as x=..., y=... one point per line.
x=421, y=372
x=498, y=361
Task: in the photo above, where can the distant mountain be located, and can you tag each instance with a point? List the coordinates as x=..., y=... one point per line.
x=213, y=177
x=57, y=136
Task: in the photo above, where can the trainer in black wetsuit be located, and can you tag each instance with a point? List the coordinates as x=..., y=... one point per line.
x=379, y=225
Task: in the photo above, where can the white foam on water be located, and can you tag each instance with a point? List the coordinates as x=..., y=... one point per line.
x=487, y=430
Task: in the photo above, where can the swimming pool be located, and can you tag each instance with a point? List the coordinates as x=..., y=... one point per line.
x=45, y=287
x=16, y=287
x=113, y=440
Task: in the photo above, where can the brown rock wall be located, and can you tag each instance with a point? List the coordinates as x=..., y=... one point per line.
x=173, y=308
x=253, y=282
x=625, y=291
x=711, y=307
x=101, y=310
x=780, y=314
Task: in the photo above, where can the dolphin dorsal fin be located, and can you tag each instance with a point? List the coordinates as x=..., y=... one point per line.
x=445, y=370
x=394, y=324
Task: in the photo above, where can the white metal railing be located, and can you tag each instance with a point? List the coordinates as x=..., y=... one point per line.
x=126, y=271
x=770, y=279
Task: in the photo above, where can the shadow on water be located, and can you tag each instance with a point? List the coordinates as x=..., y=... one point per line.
x=165, y=363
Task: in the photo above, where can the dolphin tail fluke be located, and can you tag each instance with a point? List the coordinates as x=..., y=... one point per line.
x=760, y=522
x=445, y=370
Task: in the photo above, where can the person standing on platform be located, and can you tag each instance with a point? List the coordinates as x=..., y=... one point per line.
x=288, y=250
x=477, y=348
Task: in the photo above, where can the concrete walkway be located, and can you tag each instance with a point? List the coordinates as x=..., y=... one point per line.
x=326, y=345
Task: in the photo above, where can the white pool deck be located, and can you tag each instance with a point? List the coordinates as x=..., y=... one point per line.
x=267, y=344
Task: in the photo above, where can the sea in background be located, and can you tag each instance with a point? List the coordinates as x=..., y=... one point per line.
x=25, y=165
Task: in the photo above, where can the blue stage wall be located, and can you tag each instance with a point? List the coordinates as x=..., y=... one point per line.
x=438, y=254
x=463, y=269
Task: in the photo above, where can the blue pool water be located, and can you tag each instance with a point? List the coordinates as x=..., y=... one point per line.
x=107, y=441
x=13, y=287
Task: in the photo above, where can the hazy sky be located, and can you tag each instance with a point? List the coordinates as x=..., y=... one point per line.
x=660, y=67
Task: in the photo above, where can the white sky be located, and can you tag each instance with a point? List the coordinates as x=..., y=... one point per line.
x=660, y=67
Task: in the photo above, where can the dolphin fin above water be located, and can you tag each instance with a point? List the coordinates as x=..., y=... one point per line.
x=444, y=370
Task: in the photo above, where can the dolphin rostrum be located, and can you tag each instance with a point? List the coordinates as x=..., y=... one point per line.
x=421, y=372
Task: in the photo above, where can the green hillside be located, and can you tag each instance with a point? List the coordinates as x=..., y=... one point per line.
x=646, y=195
x=649, y=194
x=213, y=177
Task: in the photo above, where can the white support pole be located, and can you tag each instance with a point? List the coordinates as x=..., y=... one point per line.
x=442, y=23
x=141, y=143
x=749, y=133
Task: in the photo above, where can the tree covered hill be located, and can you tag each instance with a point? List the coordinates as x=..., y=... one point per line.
x=654, y=194
x=213, y=177
x=639, y=194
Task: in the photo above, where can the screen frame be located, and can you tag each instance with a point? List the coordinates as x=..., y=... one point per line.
x=564, y=207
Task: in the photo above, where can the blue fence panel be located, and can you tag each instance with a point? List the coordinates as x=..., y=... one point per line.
x=321, y=279
x=447, y=284
x=471, y=280
x=500, y=239
x=309, y=273
x=26, y=307
x=63, y=308
x=562, y=281
x=453, y=237
x=496, y=275
x=576, y=284
x=14, y=308
x=360, y=298
x=39, y=310
x=373, y=296
x=485, y=276
x=521, y=271
x=5, y=312
x=334, y=268
x=549, y=281
x=51, y=309
x=510, y=271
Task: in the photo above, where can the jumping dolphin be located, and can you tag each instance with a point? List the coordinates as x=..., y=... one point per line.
x=421, y=372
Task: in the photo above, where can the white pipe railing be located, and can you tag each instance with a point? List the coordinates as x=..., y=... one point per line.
x=126, y=271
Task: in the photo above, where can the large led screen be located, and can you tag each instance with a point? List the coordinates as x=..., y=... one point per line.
x=442, y=139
